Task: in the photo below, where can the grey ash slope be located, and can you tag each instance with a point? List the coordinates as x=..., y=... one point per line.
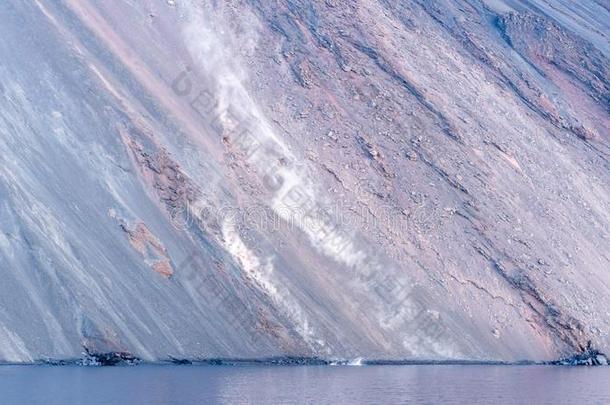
x=461, y=149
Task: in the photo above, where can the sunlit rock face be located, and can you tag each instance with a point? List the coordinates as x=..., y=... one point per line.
x=330, y=179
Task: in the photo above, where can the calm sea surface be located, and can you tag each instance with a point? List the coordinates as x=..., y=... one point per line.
x=312, y=384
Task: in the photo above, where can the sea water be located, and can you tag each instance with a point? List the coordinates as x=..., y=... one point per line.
x=430, y=384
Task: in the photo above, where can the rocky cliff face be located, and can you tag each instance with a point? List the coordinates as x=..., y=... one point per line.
x=249, y=179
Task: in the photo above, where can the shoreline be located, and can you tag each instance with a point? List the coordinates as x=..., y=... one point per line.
x=292, y=362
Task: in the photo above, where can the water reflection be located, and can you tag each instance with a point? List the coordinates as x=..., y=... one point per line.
x=291, y=385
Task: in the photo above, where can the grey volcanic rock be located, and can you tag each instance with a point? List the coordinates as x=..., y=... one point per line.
x=304, y=180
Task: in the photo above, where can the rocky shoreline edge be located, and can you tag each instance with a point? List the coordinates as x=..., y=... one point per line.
x=589, y=357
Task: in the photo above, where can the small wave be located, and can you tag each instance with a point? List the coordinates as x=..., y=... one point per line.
x=356, y=362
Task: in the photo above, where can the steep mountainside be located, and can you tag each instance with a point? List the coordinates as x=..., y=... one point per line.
x=418, y=179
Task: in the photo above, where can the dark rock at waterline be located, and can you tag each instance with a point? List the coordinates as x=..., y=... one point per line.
x=589, y=357
x=109, y=359
x=181, y=362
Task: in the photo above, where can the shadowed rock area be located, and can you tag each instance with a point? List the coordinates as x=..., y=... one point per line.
x=293, y=180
